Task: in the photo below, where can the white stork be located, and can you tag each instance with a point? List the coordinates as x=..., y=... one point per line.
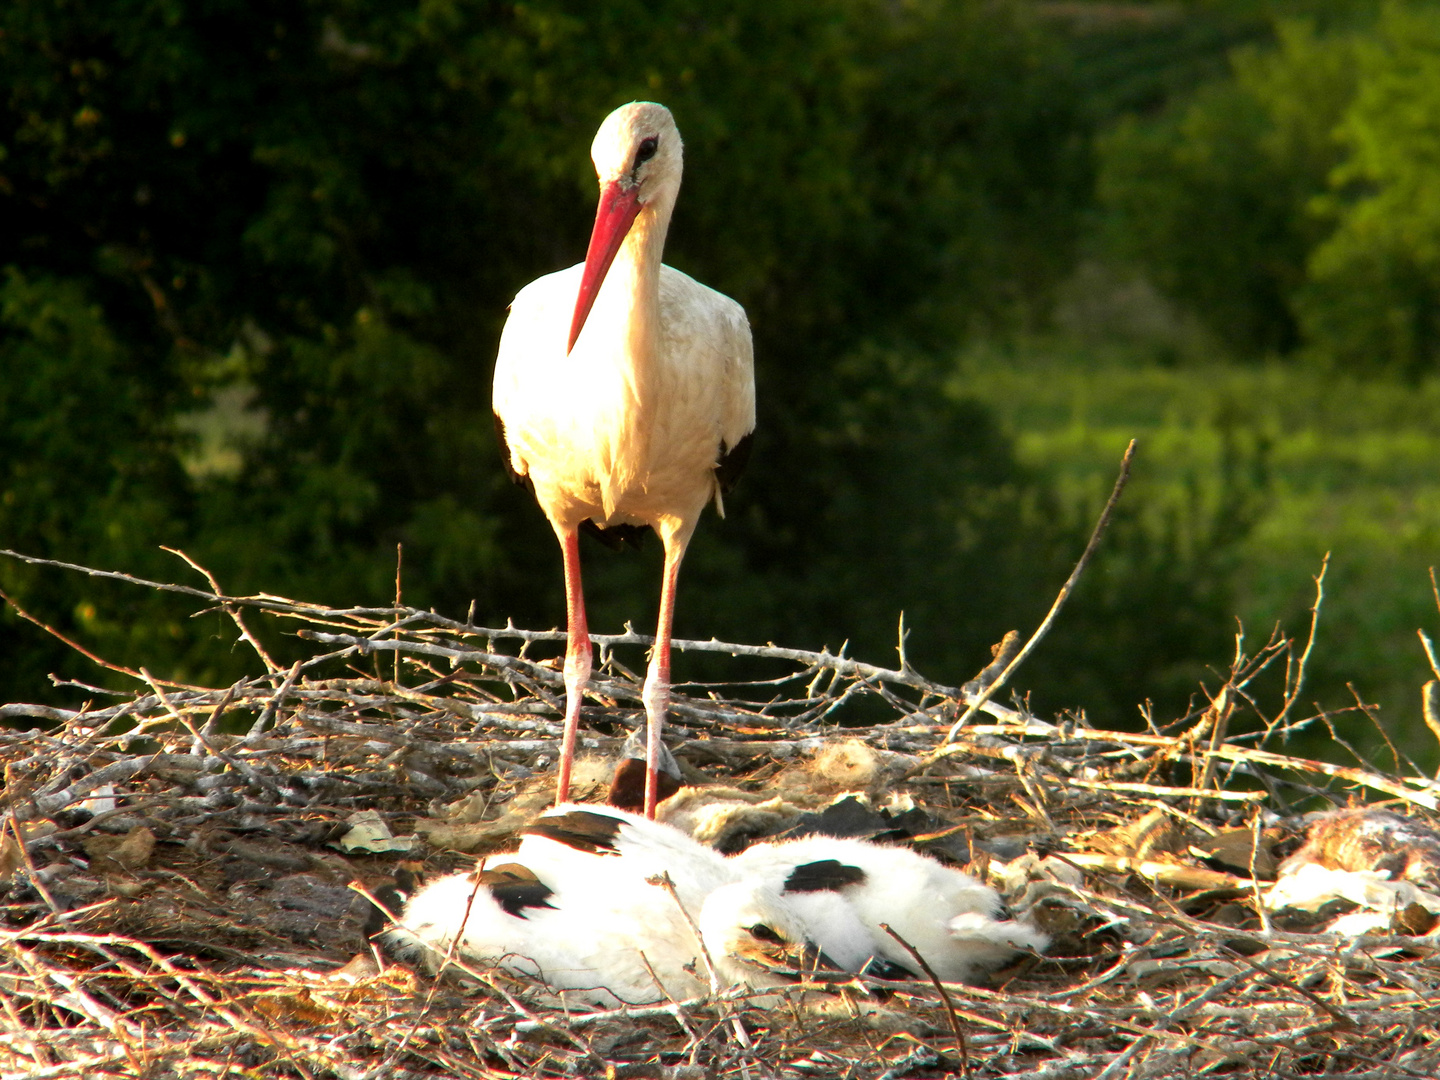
x=617, y=850
x=951, y=919
x=604, y=939
x=625, y=395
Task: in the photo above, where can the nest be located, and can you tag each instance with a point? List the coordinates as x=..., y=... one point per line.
x=187, y=872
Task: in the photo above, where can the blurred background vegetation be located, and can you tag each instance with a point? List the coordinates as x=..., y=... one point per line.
x=256, y=256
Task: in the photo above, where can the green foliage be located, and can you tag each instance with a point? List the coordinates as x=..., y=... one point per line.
x=1373, y=299
x=87, y=471
x=1213, y=198
x=1293, y=202
x=1246, y=476
x=297, y=228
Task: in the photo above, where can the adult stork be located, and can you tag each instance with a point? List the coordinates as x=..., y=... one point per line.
x=625, y=396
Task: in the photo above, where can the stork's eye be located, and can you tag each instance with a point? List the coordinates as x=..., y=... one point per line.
x=647, y=150
x=764, y=933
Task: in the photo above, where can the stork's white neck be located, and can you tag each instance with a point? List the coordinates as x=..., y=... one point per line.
x=631, y=293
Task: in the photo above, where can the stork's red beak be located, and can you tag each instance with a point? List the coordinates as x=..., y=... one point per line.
x=616, y=213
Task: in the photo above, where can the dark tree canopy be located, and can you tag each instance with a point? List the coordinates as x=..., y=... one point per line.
x=257, y=257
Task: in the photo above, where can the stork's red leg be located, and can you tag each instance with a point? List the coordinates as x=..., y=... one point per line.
x=577, y=658
x=657, y=679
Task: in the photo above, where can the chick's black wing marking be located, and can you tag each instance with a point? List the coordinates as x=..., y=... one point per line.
x=825, y=875
x=516, y=888
x=583, y=830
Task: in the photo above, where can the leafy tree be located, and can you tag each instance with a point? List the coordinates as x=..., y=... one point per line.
x=87, y=471
x=297, y=227
x=1373, y=296
x=1213, y=198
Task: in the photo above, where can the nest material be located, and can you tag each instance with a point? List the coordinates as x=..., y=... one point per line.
x=183, y=893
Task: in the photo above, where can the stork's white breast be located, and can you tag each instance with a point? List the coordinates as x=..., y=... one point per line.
x=614, y=421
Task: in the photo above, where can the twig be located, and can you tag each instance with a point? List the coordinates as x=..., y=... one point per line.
x=1065, y=591
x=1292, y=689
x=1429, y=652
x=1175, y=792
x=272, y=707
x=399, y=565
x=230, y=609
x=665, y=882
x=1430, y=706
x=1221, y=710
x=944, y=996
x=67, y=641
x=13, y=822
x=240, y=766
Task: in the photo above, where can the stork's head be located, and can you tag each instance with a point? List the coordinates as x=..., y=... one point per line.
x=638, y=146
x=638, y=157
x=755, y=936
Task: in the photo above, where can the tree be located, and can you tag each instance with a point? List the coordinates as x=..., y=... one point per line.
x=1373, y=296
x=1213, y=199
x=298, y=227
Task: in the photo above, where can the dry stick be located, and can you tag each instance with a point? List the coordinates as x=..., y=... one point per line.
x=1255, y=829
x=25, y=857
x=1188, y=925
x=838, y=663
x=1429, y=652
x=208, y=728
x=399, y=563
x=226, y=1008
x=665, y=882
x=445, y=961
x=1362, y=777
x=1065, y=591
x=1123, y=1059
x=1004, y=653
x=1292, y=693
x=230, y=609
x=112, y=575
x=75, y=997
x=242, y=767
x=1223, y=707
x=944, y=995
x=643, y=1012
x=1369, y=713
x=1339, y=1016
x=695, y=1040
x=46, y=805
x=1430, y=707
x=67, y=641
x=272, y=707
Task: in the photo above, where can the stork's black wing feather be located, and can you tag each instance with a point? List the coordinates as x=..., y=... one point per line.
x=732, y=462
x=615, y=537
x=824, y=875
x=515, y=477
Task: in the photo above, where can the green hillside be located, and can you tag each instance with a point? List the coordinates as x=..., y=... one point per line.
x=1338, y=464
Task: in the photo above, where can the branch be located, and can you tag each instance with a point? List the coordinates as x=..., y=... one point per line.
x=1065, y=591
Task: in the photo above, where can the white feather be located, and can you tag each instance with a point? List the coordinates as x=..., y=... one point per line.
x=600, y=940
x=946, y=915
